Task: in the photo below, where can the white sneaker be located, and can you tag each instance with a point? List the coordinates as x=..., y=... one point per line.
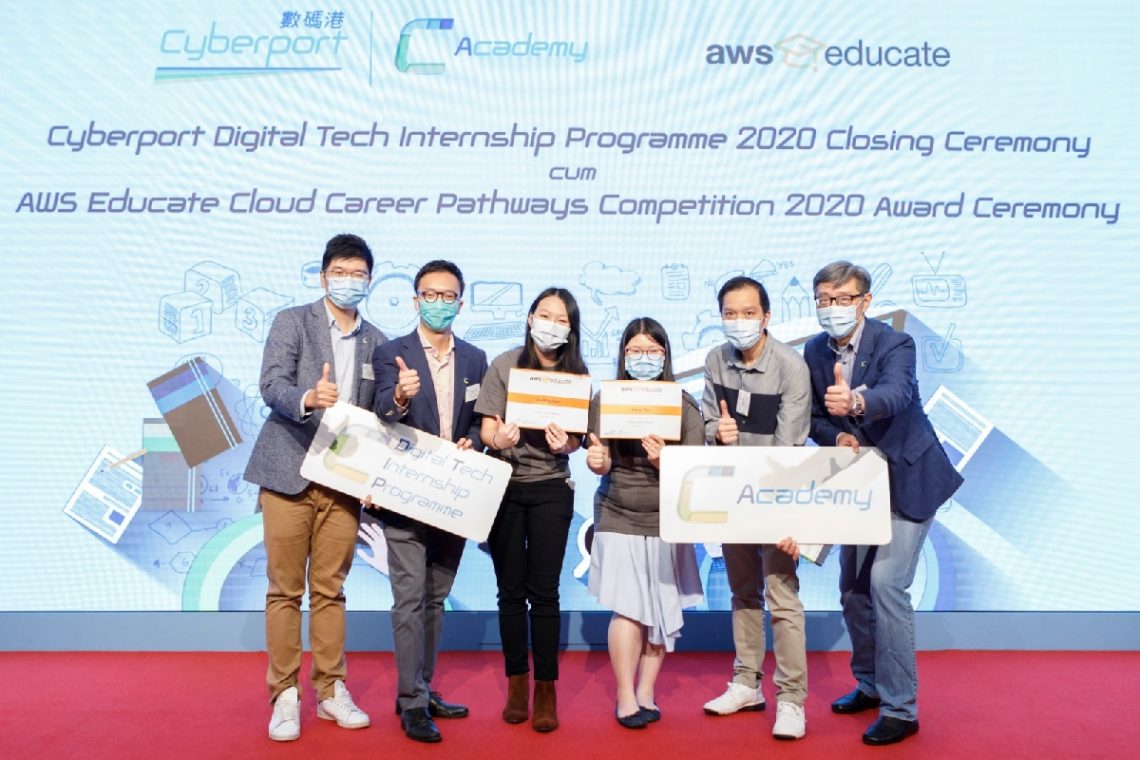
x=791, y=723
x=340, y=707
x=285, y=723
x=736, y=698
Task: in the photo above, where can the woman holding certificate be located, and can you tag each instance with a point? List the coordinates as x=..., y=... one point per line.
x=528, y=538
x=645, y=581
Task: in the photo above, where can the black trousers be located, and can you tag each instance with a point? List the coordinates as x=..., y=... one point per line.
x=528, y=544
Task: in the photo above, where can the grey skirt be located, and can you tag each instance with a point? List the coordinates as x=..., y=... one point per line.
x=647, y=580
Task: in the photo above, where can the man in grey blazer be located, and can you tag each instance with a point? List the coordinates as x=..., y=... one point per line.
x=429, y=380
x=315, y=355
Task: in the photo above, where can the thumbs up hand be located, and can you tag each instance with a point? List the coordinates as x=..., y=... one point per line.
x=324, y=394
x=506, y=435
x=839, y=399
x=726, y=431
x=597, y=456
x=407, y=383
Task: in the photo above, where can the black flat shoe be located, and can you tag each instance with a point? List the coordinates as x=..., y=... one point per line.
x=437, y=708
x=888, y=730
x=856, y=701
x=637, y=720
x=651, y=714
x=418, y=725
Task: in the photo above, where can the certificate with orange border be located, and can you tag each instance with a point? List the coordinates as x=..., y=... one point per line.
x=536, y=398
x=637, y=408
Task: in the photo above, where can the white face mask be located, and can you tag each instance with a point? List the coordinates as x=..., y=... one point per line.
x=548, y=335
x=743, y=334
x=838, y=321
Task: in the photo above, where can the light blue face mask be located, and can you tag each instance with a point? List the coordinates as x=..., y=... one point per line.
x=438, y=315
x=743, y=334
x=838, y=321
x=347, y=292
x=646, y=367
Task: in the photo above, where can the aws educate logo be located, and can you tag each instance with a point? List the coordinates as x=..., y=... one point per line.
x=529, y=47
x=801, y=51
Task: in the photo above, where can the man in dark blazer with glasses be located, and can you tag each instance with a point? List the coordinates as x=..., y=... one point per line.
x=429, y=380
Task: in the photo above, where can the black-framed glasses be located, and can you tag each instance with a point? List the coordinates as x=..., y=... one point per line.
x=640, y=353
x=431, y=296
x=357, y=275
x=843, y=299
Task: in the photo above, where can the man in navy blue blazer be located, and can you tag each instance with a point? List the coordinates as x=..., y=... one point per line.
x=865, y=392
x=428, y=379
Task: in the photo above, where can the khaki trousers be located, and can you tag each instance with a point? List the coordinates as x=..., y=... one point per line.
x=752, y=568
x=312, y=536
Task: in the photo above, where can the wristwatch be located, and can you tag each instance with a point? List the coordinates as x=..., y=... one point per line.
x=857, y=407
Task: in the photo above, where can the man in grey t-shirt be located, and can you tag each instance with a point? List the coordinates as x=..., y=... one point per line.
x=758, y=393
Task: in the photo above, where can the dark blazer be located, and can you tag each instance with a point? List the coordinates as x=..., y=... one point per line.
x=422, y=412
x=296, y=349
x=921, y=475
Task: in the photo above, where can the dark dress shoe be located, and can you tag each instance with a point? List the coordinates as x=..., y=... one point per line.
x=636, y=720
x=888, y=730
x=437, y=708
x=652, y=714
x=856, y=701
x=418, y=725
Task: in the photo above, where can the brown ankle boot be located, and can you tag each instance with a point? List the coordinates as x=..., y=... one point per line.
x=518, y=698
x=545, y=706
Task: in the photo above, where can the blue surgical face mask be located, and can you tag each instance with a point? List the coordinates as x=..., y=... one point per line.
x=438, y=315
x=347, y=292
x=547, y=335
x=743, y=334
x=838, y=321
x=647, y=367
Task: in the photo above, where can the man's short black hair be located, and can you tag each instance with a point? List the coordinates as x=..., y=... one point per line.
x=346, y=246
x=438, y=265
x=737, y=283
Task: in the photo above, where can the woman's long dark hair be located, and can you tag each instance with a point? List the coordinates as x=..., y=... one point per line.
x=651, y=327
x=569, y=353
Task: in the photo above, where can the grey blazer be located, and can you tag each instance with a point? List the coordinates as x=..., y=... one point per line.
x=296, y=350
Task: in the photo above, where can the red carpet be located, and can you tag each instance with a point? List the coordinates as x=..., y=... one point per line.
x=159, y=705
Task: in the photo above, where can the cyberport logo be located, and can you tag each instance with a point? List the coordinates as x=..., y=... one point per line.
x=481, y=48
x=295, y=43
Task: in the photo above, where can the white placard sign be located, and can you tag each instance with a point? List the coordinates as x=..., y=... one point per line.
x=762, y=494
x=635, y=409
x=407, y=471
x=536, y=398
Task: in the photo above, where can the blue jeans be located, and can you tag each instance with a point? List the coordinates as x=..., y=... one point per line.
x=873, y=583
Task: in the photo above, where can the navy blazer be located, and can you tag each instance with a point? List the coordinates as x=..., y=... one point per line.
x=423, y=412
x=921, y=476
x=296, y=349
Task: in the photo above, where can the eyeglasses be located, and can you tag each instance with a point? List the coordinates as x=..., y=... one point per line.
x=640, y=353
x=843, y=299
x=431, y=296
x=355, y=275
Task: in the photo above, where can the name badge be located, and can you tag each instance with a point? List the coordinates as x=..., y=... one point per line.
x=366, y=371
x=743, y=402
x=471, y=393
